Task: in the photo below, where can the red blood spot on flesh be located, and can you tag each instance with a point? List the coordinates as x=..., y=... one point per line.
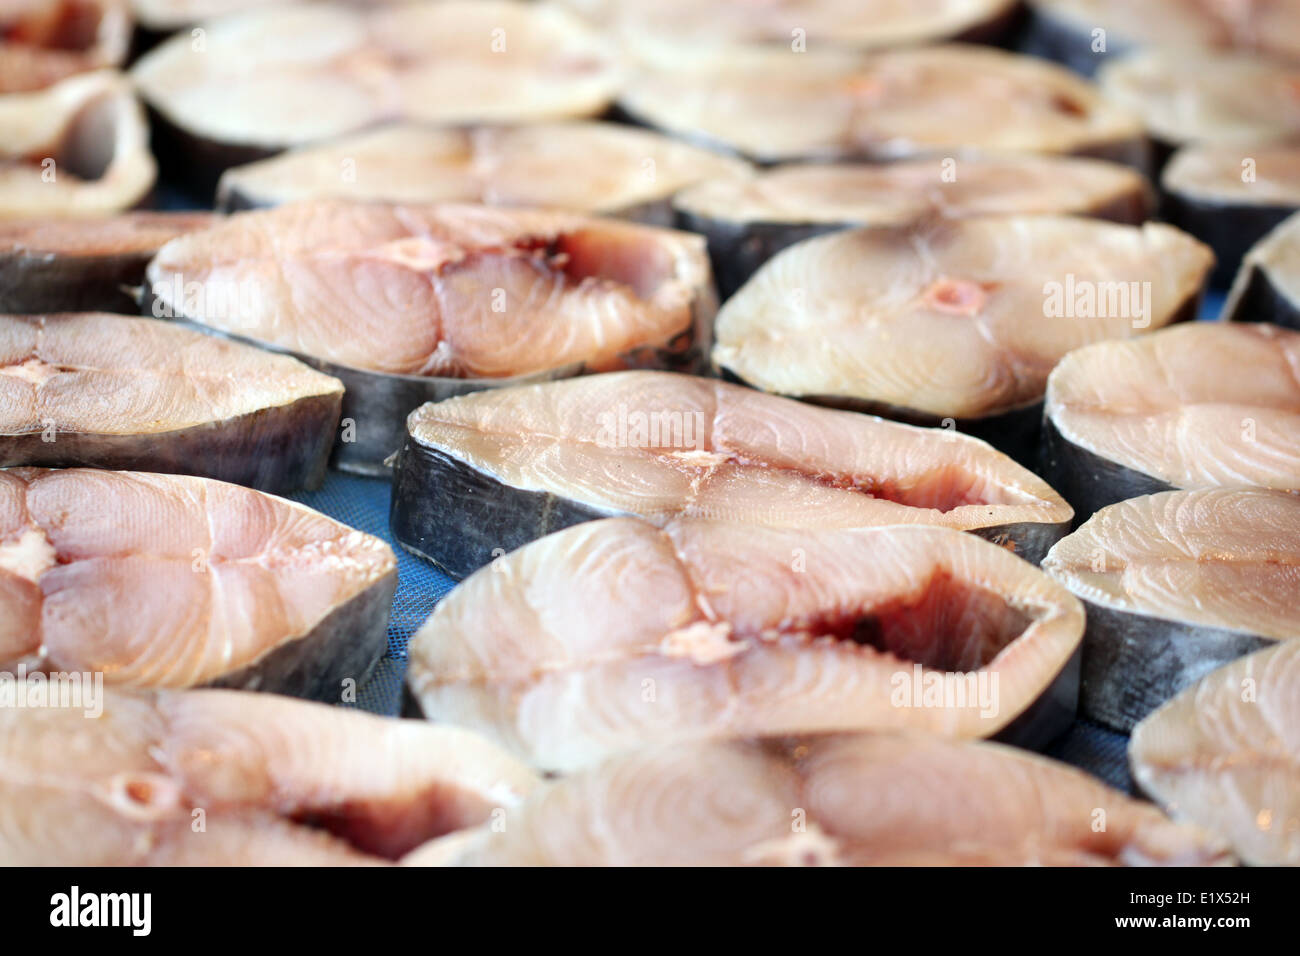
x=956, y=296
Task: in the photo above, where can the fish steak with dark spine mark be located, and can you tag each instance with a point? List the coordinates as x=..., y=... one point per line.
x=228, y=778
x=959, y=321
x=486, y=473
x=599, y=168
x=44, y=41
x=863, y=799
x=271, y=78
x=1225, y=754
x=109, y=391
x=406, y=304
x=77, y=148
x=84, y=264
x=1203, y=405
x=616, y=633
x=1204, y=97
x=1267, y=287
x=1231, y=196
x=749, y=219
x=1176, y=584
x=175, y=581
x=774, y=106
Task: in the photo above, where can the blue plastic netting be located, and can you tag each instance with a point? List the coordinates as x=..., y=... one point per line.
x=363, y=504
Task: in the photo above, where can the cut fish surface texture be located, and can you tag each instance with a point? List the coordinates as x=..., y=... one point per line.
x=1176, y=584
x=617, y=633
x=486, y=473
x=1267, y=287
x=1187, y=98
x=280, y=76
x=410, y=303
x=84, y=263
x=853, y=799
x=44, y=41
x=230, y=778
x=602, y=168
x=749, y=219
x=1231, y=196
x=174, y=581
x=775, y=105
x=862, y=24
x=1198, y=406
x=960, y=320
x=110, y=391
x=1225, y=754
x=79, y=147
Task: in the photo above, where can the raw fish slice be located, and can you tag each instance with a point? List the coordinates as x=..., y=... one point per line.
x=603, y=168
x=750, y=219
x=1231, y=196
x=485, y=473
x=1225, y=754
x=1200, y=406
x=616, y=634
x=44, y=41
x=115, y=392
x=854, y=799
x=1176, y=584
x=173, y=581
x=409, y=303
x=222, y=778
x=1205, y=97
x=959, y=320
x=775, y=105
x=266, y=79
x=77, y=148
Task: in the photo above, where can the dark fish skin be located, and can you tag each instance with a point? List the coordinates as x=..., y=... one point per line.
x=194, y=161
x=277, y=450
x=1134, y=663
x=1088, y=481
x=32, y=283
x=1261, y=301
x=1055, y=39
x=1050, y=715
x=1230, y=229
x=461, y=519
x=36, y=280
x=346, y=645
